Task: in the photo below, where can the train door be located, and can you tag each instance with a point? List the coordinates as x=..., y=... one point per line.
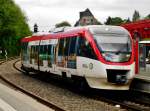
x=33, y=54
x=52, y=47
x=61, y=59
x=72, y=55
x=142, y=57
x=43, y=55
x=86, y=58
x=25, y=54
x=47, y=55
x=66, y=57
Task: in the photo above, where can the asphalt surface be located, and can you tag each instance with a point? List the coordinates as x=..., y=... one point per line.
x=12, y=100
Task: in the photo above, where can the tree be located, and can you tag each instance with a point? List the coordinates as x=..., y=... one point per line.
x=61, y=24
x=136, y=16
x=108, y=21
x=13, y=27
x=114, y=21
x=127, y=20
x=148, y=16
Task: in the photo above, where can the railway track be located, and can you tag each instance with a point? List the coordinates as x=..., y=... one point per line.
x=139, y=106
x=41, y=100
x=130, y=105
x=127, y=104
x=10, y=58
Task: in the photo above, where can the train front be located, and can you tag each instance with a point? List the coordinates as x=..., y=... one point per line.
x=116, y=68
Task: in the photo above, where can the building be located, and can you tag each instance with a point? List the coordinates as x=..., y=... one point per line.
x=87, y=18
x=140, y=32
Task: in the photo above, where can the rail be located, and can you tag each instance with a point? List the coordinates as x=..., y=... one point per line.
x=123, y=102
x=39, y=99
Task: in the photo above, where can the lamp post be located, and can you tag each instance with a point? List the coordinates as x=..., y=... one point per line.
x=35, y=28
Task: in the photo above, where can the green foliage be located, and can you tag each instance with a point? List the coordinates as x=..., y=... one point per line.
x=61, y=24
x=108, y=21
x=127, y=20
x=148, y=16
x=136, y=16
x=13, y=27
x=114, y=21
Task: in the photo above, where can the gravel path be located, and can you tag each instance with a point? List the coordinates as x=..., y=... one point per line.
x=56, y=94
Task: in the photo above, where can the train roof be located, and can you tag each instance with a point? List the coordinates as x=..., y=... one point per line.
x=75, y=31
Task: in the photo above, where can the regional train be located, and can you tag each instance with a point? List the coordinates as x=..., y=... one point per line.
x=100, y=55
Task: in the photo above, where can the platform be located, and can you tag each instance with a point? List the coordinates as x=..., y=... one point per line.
x=144, y=73
x=13, y=100
x=141, y=82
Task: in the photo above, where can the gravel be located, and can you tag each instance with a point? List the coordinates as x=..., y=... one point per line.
x=54, y=92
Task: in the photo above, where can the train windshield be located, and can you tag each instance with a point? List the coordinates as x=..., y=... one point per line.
x=113, y=47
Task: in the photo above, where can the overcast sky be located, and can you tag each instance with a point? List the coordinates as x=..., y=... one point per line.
x=47, y=13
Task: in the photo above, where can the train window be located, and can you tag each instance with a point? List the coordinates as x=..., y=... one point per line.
x=24, y=47
x=41, y=49
x=36, y=54
x=24, y=51
x=72, y=50
x=66, y=46
x=71, y=63
x=84, y=49
x=53, y=53
x=67, y=52
x=49, y=49
x=31, y=53
x=50, y=56
x=61, y=60
x=40, y=55
x=43, y=52
x=61, y=47
x=45, y=49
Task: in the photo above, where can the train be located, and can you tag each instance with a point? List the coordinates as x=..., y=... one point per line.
x=100, y=55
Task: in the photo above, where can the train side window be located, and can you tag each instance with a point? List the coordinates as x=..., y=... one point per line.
x=84, y=49
x=24, y=51
x=49, y=56
x=61, y=47
x=66, y=46
x=36, y=54
x=40, y=55
x=40, y=50
x=72, y=53
x=72, y=50
x=43, y=52
x=32, y=50
x=61, y=58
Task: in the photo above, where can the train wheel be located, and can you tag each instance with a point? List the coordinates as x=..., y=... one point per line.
x=81, y=85
x=25, y=72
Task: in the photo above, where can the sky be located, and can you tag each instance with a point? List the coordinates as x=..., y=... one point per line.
x=46, y=13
